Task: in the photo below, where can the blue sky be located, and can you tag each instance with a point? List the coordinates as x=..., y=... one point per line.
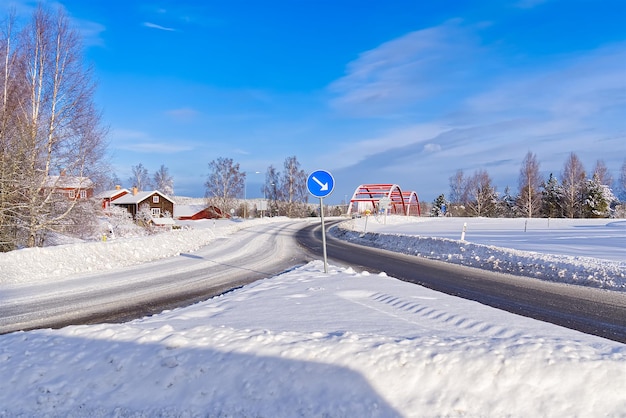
x=404, y=92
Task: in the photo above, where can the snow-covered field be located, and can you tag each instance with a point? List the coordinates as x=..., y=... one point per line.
x=341, y=344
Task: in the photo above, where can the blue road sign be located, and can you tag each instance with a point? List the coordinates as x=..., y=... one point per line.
x=320, y=183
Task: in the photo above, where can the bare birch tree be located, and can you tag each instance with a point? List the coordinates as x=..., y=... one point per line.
x=140, y=178
x=225, y=183
x=163, y=181
x=573, y=183
x=482, y=197
x=293, y=188
x=529, y=201
x=271, y=189
x=601, y=171
x=48, y=102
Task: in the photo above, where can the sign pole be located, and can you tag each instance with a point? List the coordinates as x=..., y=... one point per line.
x=320, y=184
x=323, y=235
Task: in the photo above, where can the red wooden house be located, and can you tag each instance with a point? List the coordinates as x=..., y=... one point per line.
x=108, y=196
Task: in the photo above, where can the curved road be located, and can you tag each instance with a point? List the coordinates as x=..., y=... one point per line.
x=251, y=254
x=263, y=251
x=592, y=311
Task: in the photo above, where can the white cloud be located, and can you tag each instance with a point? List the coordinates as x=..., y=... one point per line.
x=159, y=27
x=432, y=147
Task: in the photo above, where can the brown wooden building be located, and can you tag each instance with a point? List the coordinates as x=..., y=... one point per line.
x=159, y=203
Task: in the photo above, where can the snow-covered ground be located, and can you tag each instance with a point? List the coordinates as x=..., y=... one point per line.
x=340, y=344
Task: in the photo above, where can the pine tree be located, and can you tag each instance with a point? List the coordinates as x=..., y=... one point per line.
x=552, y=198
x=440, y=206
x=598, y=198
x=507, y=205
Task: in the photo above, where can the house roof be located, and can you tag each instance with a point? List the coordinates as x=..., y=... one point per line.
x=188, y=210
x=107, y=194
x=163, y=221
x=68, y=182
x=130, y=199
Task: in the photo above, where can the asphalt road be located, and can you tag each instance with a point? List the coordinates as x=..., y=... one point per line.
x=264, y=251
x=592, y=311
x=121, y=295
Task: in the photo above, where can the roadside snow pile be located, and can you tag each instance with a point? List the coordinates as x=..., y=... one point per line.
x=587, y=271
x=41, y=264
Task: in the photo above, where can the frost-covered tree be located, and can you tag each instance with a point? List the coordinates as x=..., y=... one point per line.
x=552, y=198
x=601, y=171
x=48, y=125
x=598, y=199
x=163, y=181
x=293, y=188
x=529, y=200
x=440, y=206
x=458, y=188
x=140, y=178
x=573, y=182
x=507, y=205
x=225, y=183
x=271, y=189
x=482, y=196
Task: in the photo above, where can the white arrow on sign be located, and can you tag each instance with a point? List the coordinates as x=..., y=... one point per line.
x=323, y=186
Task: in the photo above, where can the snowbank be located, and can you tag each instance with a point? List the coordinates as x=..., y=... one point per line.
x=41, y=264
x=587, y=271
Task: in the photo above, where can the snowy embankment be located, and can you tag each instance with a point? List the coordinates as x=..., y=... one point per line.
x=41, y=264
x=580, y=270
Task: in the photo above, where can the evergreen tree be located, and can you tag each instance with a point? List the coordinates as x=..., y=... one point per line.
x=552, y=198
x=598, y=198
x=507, y=205
x=440, y=206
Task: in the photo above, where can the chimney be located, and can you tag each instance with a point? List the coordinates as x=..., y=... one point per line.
x=62, y=172
x=135, y=191
x=118, y=187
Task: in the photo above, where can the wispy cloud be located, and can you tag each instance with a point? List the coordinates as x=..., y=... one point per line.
x=155, y=147
x=574, y=102
x=159, y=27
x=90, y=31
x=405, y=70
x=142, y=142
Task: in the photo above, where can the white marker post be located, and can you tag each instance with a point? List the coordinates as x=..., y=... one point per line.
x=321, y=184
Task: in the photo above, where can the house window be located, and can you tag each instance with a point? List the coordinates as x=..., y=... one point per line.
x=156, y=212
x=72, y=194
x=155, y=199
x=83, y=194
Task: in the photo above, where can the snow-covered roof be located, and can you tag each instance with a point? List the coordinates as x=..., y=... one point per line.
x=188, y=210
x=107, y=194
x=68, y=182
x=163, y=221
x=130, y=198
